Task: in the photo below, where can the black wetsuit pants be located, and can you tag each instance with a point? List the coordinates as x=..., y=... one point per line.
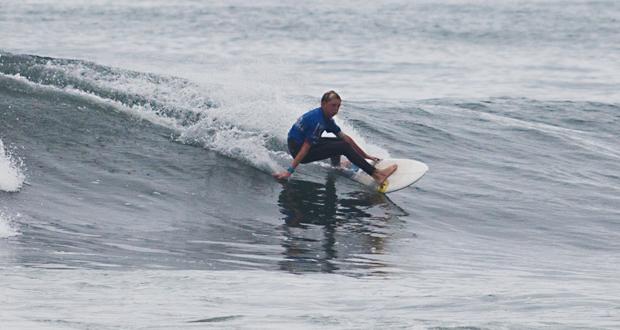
x=331, y=148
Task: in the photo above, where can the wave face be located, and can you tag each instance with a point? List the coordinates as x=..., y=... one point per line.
x=174, y=103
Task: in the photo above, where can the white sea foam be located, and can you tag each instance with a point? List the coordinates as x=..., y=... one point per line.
x=6, y=227
x=11, y=175
x=255, y=110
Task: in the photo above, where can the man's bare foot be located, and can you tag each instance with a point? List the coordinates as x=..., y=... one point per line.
x=381, y=175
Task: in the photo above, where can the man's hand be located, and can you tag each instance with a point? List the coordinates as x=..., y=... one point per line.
x=282, y=175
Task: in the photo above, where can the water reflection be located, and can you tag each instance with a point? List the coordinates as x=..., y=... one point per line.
x=325, y=232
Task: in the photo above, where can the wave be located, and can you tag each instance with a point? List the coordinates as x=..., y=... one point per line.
x=591, y=127
x=243, y=119
x=11, y=174
x=577, y=138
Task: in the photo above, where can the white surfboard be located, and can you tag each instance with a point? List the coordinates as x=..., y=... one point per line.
x=409, y=172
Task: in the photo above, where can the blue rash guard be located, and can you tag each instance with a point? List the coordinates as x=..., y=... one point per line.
x=310, y=126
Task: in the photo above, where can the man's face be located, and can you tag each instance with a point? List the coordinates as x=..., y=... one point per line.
x=330, y=108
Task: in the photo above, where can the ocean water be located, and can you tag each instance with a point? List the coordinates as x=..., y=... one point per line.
x=137, y=142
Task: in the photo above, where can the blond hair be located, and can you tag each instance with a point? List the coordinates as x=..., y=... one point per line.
x=330, y=95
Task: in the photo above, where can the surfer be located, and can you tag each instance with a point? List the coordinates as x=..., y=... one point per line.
x=306, y=144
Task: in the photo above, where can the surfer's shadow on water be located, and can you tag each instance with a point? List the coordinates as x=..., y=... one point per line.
x=327, y=231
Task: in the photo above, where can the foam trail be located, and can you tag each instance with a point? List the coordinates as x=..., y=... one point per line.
x=11, y=176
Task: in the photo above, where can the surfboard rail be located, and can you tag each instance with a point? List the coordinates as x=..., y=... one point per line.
x=409, y=172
